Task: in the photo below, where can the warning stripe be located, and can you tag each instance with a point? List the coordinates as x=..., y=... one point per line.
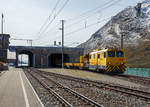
x=108, y=68
x=120, y=68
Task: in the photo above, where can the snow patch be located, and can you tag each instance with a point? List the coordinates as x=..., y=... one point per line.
x=117, y=29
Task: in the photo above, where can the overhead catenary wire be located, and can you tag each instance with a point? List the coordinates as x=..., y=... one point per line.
x=80, y=29
x=89, y=11
x=87, y=26
x=57, y=13
x=82, y=15
x=86, y=18
x=49, y=17
x=48, y=34
x=106, y=5
x=86, y=14
x=72, y=43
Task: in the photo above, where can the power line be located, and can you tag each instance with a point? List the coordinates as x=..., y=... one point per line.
x=77, y=16
x=115, y=1
x=108, y=4
x=94, y=23
x=89, y=11
x=75, y=31
x=53, y=27
x=72, y=43
x=49, y=17
x=19, y=39
x=56, y=15
x=28, y=40
x=66, y=35
x=80, y=29
x=103, y=7
x=55, y=32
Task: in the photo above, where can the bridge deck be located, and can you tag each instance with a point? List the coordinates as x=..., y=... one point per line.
x=16, y=91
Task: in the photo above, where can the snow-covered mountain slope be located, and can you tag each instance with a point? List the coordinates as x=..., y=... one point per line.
x=135, y=30
x=125, y=23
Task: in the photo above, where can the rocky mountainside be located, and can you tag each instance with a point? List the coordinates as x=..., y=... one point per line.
x=134, y=24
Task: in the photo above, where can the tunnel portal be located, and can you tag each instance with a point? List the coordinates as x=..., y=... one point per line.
x=30, y=57
x=47, y=57
x=55, y=60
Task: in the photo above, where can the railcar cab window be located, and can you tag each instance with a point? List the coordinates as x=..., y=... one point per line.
x=111, y=53
x=104, y=54
x=120, y=54
x=93, y=56
x=98, y=56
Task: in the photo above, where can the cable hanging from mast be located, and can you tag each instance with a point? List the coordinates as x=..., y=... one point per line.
x=56, y=14
x=49, y=17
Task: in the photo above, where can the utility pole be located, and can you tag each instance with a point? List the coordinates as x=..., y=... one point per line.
x=121, y=41
x=21, y=60
x=62, y=43
x=139, y=9
x=122, y=35
x=54, y=43
x=31, y=42
x=2, y=21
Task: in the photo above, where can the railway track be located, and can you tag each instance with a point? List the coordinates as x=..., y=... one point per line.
x=122, y=89
x=136, y=79
x=65, y=95
x=133, y=78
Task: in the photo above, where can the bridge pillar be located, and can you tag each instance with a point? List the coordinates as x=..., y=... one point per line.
x=16, y=59
x=43, y=57
x=33, y=60
x=47, y=61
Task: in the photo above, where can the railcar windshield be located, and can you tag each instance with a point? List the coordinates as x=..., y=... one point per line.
x=120, y=54
x=111, y=53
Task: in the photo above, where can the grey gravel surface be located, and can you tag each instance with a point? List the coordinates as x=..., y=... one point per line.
x=103, y=96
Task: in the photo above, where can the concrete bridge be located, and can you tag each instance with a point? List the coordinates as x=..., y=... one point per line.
x=43, y=57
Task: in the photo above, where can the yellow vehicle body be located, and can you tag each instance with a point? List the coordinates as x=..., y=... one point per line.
x=110, y=60
x=76, y=65
x=107, y=60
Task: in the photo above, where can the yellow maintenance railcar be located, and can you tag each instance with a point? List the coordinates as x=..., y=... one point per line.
x=106, y=60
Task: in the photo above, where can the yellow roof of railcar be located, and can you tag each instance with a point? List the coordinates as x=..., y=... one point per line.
x=104, y=50
x=99, y=51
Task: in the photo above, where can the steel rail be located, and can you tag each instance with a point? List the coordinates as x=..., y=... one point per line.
x=137, y=79
x=127, y=75
x=117, y=88
x=51, y=91
x=72, y=91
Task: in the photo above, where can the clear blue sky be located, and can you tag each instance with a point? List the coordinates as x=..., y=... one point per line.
x=24, y=18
